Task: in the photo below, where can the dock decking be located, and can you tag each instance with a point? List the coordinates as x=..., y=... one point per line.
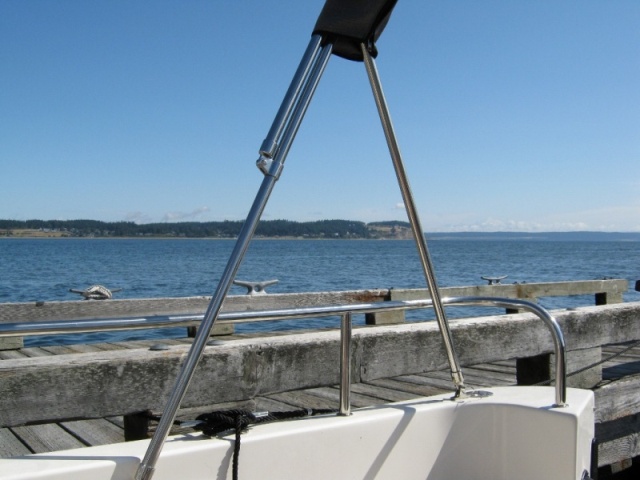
x=21, y=440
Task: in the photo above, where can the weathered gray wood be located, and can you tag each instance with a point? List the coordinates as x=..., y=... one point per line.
x=618, y=399
x=47, y=438
x=96, y=431
x=126, y=381
x=612, y=288
x=509, y=371
x=35, y=352
x=11, y=343
x=399, y=384
x=10, y=446
x=618, y=440
x=384, y=318
x=9, y=354
x=604, y=291
x=302, y=399
x=383, y=393
x=540, y=368
x=492, y=377
x=78, y=310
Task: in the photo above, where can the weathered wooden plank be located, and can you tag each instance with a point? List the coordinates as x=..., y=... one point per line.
x=265, y=404
x=488, y=339
x=35, y=352
x=331, y=394
x=429, y=380
x=490, y=376
x=49, y=437
x=58, y=349
x=77, y=310
x=360, y=400
x=617, y=399
x=383, y=393
x=11, y=343
x=413, y=388
x=618, y=440
x=444, y=378
x=509, y=369
x=615, y=288
x=9, y=354
x=85, y=348
x=10, y=446
x=302, y=399
x=117, y=420
x=96, y=431
x=128, y=381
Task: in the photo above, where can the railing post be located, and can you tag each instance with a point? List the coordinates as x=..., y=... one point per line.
x=218, y=330
x=510, y=311
x=606, y=298
x=345, y=364
x=136, y=426
x=386, y=318
x=11, y=343
x=537, y=369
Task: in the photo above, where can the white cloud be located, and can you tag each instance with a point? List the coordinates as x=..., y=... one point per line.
x=180, y=216
x=137, y=217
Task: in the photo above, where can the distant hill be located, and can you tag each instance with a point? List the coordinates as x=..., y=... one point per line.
x=323, y=229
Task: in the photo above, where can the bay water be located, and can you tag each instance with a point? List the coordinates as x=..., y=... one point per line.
x=44, y=269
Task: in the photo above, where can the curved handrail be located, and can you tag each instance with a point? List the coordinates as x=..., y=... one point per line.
x=160, y=321
x=550, y=321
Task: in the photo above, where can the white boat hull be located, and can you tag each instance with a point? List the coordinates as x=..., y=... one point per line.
x=513, y=434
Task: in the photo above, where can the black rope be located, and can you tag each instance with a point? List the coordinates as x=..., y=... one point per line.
x=239, y=422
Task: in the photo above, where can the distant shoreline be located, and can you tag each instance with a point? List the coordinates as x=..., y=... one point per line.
x=446, y=236
x=276, y=229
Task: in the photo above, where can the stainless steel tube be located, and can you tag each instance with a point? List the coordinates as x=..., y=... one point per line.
x=546, y=317
x=345, y=364
x=270, y=143
x=412, y=213
x=317, y=64
x=109, y=324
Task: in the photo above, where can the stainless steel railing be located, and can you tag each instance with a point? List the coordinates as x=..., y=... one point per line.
x=344, y=311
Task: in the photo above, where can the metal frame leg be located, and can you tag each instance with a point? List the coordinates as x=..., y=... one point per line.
x=273, y=153
x=271, y=162
x=412, y=213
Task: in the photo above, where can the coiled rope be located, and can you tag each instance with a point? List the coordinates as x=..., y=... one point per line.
x=239, y=421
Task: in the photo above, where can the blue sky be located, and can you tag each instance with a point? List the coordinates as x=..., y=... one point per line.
x=511, y=115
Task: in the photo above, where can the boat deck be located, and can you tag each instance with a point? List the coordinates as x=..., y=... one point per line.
x=80, y=433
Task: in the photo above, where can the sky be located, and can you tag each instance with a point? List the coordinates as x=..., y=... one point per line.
x=510, y=115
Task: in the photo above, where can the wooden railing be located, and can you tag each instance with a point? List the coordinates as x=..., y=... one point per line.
x=125, y=382
x=604, y=291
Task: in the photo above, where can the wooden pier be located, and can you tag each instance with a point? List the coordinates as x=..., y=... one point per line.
x=61, y=397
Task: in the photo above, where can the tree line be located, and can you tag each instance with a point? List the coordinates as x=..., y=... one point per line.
x=222, y=229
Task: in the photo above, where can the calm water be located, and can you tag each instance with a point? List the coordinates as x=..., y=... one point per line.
x=45, y=269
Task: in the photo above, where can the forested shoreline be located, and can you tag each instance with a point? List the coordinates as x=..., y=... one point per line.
x=322, y=229
x=223, y=229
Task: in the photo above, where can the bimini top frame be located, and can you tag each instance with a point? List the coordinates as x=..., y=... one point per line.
x=350, y=29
